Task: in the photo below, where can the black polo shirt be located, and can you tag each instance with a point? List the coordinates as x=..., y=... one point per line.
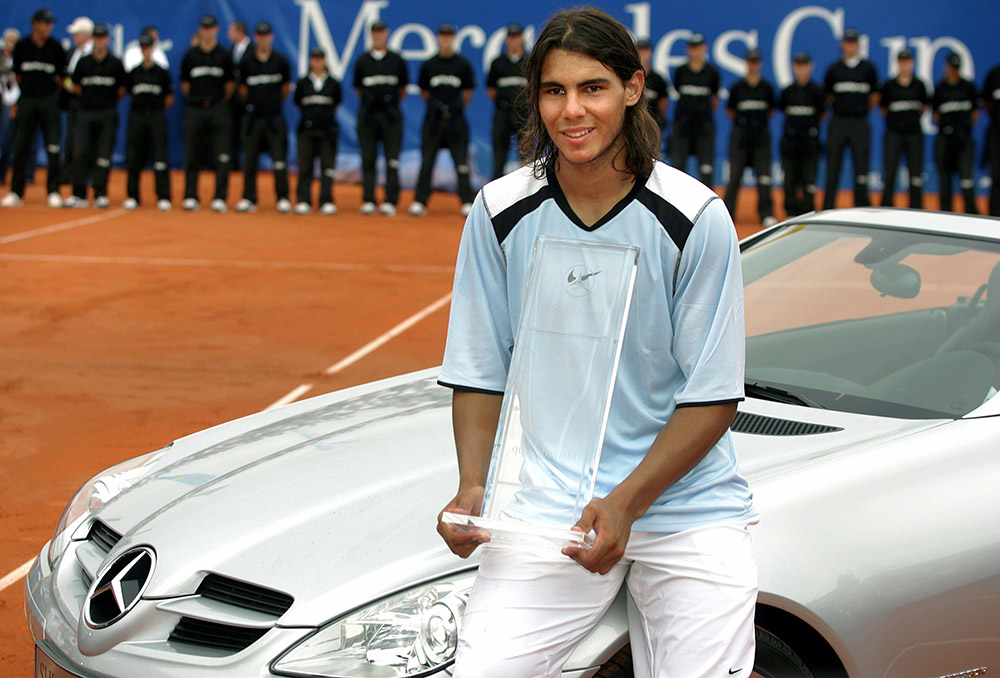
x=206, y=74
x=751, y=104
x=264, y=81
x=318, y=104
x=507, y=78
x=39, y=67
x=851, y=87
x=954, y=105
x=655, y=91
x=445, y=79
x=149, y=87
x=903, y=105
x=380, y=79
x=803, y=105
x=696, y=90
x=991, y=93
x=99, y=81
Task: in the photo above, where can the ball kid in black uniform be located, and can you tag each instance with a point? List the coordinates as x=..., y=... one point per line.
x=207, y=83
x=904, y=100
x=446, y=82
x=697, y=82
x=317, y=96
x=750, y=107
x=265, y=79
x=152, y=91
x=655, y=89
x=505, y=85
x=99, y=81
x=804, y=105
x=380, y=79
x=852, y=88
x=955, y=105
x=39, y=63
x=991, y=100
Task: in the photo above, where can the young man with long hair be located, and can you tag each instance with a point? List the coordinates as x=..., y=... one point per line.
x=671, y=512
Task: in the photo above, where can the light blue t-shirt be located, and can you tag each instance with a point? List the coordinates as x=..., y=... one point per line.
x=684, y=339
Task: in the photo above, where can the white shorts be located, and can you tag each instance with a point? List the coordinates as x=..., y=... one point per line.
x=694, y=592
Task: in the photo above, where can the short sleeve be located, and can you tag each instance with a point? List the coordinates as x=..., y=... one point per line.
x=480, y=336
x=707, y=312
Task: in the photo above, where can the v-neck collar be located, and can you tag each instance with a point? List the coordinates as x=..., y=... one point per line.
x=560, y=198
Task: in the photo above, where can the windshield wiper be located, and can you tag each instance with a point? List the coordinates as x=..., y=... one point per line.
x=756, y=389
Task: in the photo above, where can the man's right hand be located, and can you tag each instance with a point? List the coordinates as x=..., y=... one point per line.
x=463, y=540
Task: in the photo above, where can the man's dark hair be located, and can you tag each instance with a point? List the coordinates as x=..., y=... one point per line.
x=241, y=26
x=595, y=34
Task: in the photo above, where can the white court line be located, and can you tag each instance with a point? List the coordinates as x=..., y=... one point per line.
x=222, y=263
x=290, y=397
x=395, y=331
x=16, y=576
x=55, y=228
x=302, y=389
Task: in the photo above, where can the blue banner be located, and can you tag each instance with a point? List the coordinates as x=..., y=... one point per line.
x=930, y=28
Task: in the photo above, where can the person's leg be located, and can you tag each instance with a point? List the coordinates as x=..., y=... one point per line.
x=193, y=128
x=680, y=149
x=84, y=154
x=705, y=149
x=392, y=143
x=51, y=133
x=430, y=141
x=861, y=146
x=458, y=146
x=369, y=148
x=307, y=158
x=693, y=596
x=914, y=147
x=892, y=145
x=277, y=142
x=221, y=134
x=502, y=130
x=737, y=164
x=161, y=161
x=944, y=172
x=810, y=170
x=107, y=127
x=834, y=157
x=527, y=611
x=26, y=121
x=965, y=179
x=792, y=166
x=251, y=155
x=762, y=168
x=993, y=139
x=327, y=165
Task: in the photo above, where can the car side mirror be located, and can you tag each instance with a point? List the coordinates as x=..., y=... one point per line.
x=896, y=280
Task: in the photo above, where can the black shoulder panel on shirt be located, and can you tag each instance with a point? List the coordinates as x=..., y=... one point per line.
x=677, y=226
x=504, y=222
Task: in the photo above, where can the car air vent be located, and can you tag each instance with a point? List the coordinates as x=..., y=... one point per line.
x=756, y=424
x=214, y=635
x=248, y=596
x=103, y=537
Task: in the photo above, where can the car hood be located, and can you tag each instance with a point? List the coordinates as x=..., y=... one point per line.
x=333, y=500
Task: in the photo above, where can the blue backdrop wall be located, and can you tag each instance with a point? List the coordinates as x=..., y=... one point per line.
x=779, y=27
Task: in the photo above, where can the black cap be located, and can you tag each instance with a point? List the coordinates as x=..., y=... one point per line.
x=754, y=54
x=852, y=34
x=146, y=41
x=696, y=39
x=515, y=29
x=43, y=16
x=447, y=29
x=208, y=21
x=262, y=28
x=905, y=53
x=380, y=26
x=954, y=60
x=802, y=58
x=317, y=52
x=101, y=31
x=643, y=43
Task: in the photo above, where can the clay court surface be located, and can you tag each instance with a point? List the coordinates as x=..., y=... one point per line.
x=121, y=331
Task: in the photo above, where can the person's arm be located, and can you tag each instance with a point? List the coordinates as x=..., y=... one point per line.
x=474, y=418
x=466, y=97
x=680, y=445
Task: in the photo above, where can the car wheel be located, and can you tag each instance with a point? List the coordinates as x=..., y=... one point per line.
x=774, y=660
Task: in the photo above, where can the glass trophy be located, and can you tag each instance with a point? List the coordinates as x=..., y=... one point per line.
x=558, y=394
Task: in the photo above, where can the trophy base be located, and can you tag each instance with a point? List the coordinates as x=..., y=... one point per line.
x=514, y=533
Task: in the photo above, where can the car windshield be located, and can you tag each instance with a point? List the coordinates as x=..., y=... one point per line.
x=874, y=321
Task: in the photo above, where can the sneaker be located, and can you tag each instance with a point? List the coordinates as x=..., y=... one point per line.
x=163, y=205
x=418, y=209
x=77, y=202
x=302, y=208
x=190, y=204
x=368, y=208
x=11, y=200
x=388, y=209
x=130, y=203
x=284, y=206
x=328, y=208
x=769, y=221
x=245, y=205
x=466, y=208
x=102, y=201
x=219, y=205
x=55, y=200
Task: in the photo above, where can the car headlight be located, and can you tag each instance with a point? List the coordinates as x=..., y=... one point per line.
x=413, y=633
x=95, y=493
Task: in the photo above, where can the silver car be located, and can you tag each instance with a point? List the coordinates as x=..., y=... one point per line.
x=301, y=541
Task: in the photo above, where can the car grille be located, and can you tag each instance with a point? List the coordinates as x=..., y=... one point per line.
x=756, y=424
x=213, y=635
x=103, y=537
x=244, y=595
x=230, y=637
